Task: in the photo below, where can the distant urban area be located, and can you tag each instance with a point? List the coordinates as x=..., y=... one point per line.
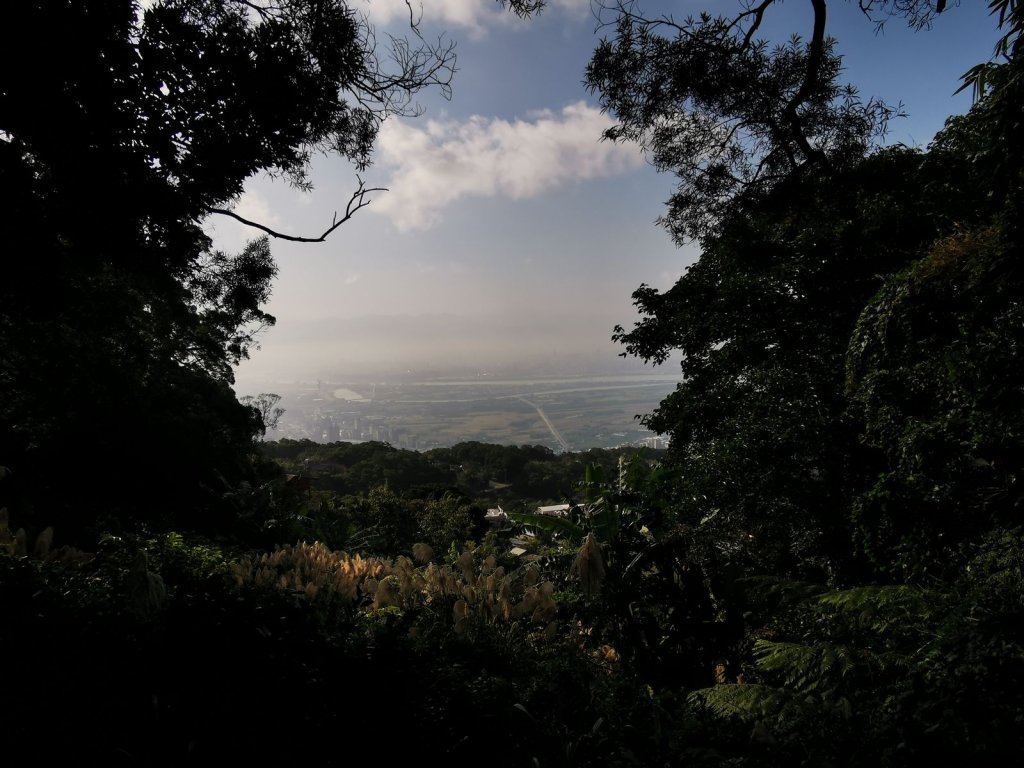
x=563, y=413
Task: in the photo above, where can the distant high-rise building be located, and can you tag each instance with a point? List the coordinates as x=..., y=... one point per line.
x=655, y=442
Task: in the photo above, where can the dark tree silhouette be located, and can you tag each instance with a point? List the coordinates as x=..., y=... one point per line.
x=121, y=129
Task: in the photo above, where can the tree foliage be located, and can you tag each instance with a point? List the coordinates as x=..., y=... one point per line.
x=726, y=112
x=846, y=427
x=763, y=421
x=119, y=322
x=266, y=407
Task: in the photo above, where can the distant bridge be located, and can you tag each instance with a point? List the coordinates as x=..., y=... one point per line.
x=559, y=437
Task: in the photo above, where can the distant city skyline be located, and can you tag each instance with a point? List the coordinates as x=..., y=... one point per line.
x=434, y=409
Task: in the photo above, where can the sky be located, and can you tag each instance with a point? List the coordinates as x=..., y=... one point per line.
x=511, y=236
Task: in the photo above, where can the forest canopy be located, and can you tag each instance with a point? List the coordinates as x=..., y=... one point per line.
x=824, y=569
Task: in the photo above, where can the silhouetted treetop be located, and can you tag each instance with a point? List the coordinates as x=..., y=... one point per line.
x=731, y=114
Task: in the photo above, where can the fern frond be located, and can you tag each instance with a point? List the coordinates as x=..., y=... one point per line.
x=876, y=598
x=745, y=701
x=805, y=668
x=882, y=609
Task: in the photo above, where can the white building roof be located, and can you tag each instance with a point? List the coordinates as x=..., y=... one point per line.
x=555, y=509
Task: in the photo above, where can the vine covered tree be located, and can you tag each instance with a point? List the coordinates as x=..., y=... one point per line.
x=801, y=218
x=847, y=432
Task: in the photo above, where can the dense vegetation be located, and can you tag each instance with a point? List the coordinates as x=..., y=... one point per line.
x=825, y=569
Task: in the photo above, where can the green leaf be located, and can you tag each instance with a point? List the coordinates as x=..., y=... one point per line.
x=549, y=523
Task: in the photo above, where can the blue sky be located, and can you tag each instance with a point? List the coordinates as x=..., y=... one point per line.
x=511, y=234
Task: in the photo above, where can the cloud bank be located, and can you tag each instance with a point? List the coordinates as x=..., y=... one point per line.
x=472, y=15
x=435, y=164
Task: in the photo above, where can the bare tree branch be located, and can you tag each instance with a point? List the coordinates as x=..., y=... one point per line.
x=357, y=201
x=609, y=13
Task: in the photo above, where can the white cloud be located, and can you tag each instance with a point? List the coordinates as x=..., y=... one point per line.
x=573, y=5
x=351, y=279
x=435, y=164
x=472, y=15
